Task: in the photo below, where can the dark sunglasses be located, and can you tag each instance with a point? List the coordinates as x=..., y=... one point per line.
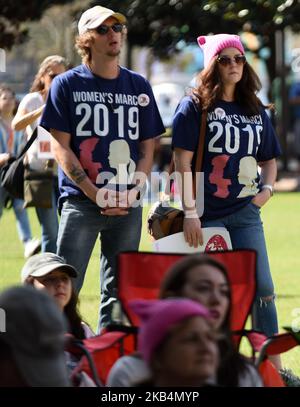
x=103, y=29
x=224, y=60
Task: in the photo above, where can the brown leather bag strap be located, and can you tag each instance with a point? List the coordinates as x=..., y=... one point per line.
x=199, y=154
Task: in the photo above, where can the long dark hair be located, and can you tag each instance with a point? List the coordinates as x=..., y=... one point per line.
x=210, y=88
x=73, y=316
x=232, y=364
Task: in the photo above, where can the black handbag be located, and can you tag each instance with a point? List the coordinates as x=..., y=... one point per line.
x=12, y=173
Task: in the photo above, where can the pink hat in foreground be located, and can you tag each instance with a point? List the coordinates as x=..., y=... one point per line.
x=158, y=316
x=212, y=45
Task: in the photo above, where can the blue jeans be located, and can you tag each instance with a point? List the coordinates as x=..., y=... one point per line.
x=80, y=224
x=49, y=223
x=246, y=232
x=23, y=225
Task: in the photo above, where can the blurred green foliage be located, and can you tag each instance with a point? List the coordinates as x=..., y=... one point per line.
x=13, y=15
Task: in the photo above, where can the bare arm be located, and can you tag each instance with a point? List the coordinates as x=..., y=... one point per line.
x=70, y=164
x=191, y=225
x=23, y=118
x=268, y=171
x=268, y=176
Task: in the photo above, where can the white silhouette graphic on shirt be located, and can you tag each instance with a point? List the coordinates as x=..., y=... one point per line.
x=247, y=175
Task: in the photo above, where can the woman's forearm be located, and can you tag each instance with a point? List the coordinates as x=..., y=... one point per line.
x=21, y=121
x=268, y=171
x=184, y=180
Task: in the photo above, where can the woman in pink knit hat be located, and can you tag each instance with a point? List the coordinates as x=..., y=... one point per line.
x=178, y=327
x=239, y=138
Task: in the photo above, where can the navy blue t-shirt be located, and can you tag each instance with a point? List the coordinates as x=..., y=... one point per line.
x=234, y=143
x=107, y=118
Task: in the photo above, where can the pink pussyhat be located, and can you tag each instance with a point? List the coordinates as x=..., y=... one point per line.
x=212, y=45
x=158, y=316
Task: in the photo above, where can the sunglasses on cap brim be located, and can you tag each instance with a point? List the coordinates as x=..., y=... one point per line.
x=224, y=60
x=103, y=28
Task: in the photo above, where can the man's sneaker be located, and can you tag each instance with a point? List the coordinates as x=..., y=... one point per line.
x=32, y=247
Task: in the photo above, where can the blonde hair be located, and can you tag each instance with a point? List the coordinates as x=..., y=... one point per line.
x=82, y=45
x=38, y=84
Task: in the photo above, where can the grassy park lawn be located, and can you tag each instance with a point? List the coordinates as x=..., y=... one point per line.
x=282, y=228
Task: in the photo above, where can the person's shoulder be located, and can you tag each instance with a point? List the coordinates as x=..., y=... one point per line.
x=31, y=101
x=130, y=361
x=127, y=371
x=133, y=75
x=189, y=100
x=188, y=104
x=264, y=112
x=130, y=72
x=76, y=72
x=132, y=364
x=31, y=97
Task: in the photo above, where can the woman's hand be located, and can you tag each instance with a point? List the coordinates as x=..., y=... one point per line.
x=268, y=177
x=192, y=231
x=261, y=198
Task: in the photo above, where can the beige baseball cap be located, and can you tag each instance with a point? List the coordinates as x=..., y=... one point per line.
x=93, y=17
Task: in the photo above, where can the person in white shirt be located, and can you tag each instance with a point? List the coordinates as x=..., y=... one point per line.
x=28, y=117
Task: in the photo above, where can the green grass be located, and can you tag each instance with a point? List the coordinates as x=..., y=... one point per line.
x=282, y=225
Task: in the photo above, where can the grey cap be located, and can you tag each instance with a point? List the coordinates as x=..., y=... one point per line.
x=35, y=331
x=93, y=17
x=43, y=263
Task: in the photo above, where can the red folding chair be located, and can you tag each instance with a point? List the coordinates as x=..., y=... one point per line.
x=263, y=348
x=275, y=345
x=100, y=352
x=140, y=274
